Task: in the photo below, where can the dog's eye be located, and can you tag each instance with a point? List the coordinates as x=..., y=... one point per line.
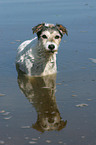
x=44, y=36
x=57, y=37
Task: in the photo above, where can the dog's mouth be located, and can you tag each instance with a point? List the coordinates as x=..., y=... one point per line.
x=52, y=51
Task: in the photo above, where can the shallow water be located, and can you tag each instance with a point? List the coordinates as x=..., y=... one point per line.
x=56, y=109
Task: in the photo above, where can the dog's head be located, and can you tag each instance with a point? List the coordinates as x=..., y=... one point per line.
x=50, y=35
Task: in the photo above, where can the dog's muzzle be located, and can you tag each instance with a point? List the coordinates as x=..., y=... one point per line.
x=51, y=47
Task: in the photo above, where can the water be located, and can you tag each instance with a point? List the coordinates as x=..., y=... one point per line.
x=43, y=110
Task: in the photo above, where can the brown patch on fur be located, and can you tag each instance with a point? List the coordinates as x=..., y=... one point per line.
x=62, y=29
x=37, y=28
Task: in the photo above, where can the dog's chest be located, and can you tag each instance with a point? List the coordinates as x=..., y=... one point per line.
x=50, y=67
x=42, y=66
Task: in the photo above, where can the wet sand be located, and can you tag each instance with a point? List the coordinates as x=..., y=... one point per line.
x=57, y=109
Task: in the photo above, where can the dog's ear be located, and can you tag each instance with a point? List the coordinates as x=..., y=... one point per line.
x=62, y=29
x=38, y=28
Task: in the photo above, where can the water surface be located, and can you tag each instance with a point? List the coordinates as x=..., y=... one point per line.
x=57, y=109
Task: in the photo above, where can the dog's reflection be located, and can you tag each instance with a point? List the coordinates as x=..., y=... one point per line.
x=40, y=91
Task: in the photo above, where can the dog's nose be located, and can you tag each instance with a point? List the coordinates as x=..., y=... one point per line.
x=51, y=46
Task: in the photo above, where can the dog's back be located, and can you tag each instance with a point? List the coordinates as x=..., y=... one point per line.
x=25, y=55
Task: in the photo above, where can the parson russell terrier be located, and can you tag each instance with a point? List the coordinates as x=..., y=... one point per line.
x=37, y=57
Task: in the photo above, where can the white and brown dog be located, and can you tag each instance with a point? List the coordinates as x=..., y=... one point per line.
x=38, y=56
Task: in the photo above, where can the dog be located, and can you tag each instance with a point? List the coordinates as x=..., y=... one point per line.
x=37, y=57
